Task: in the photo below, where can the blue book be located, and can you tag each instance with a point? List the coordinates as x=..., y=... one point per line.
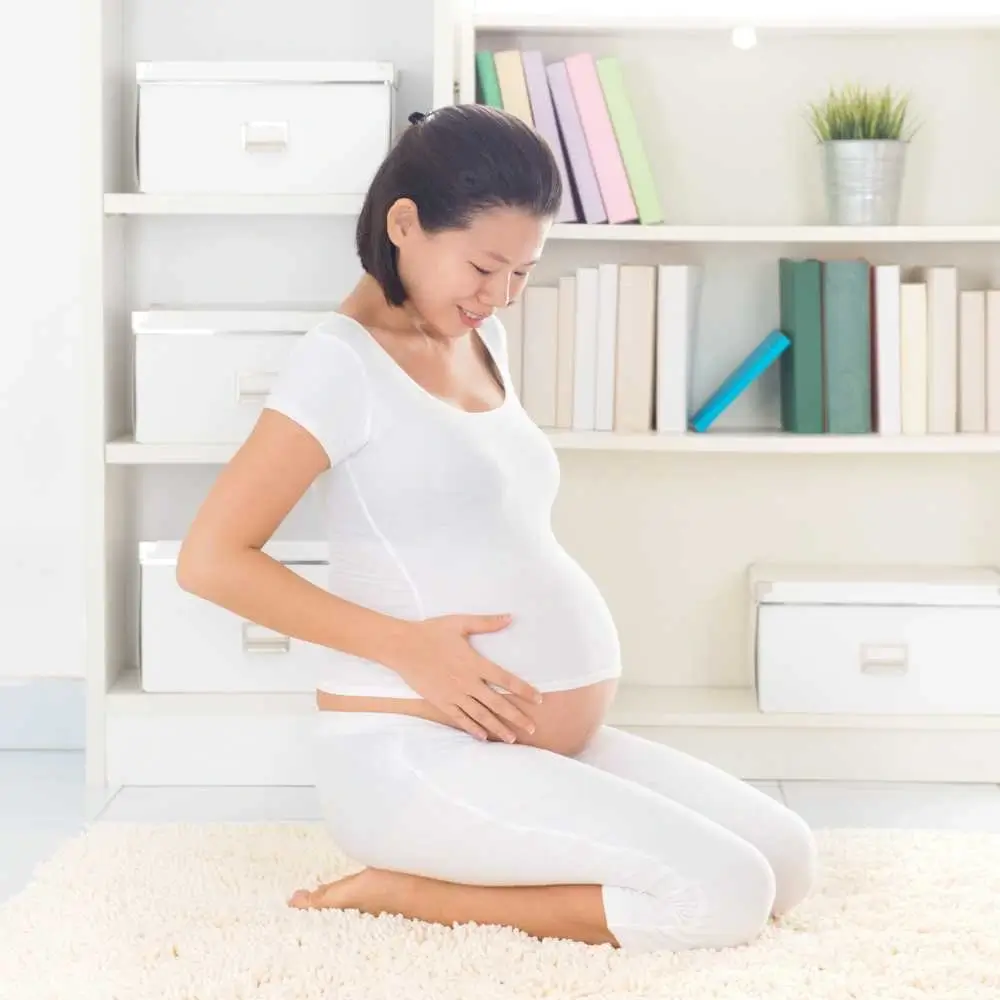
x=757, y=361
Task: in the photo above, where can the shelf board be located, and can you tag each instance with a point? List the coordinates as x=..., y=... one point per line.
x=636, y=705
x=814, y=235
x=585, y=23
x=231, y=204
x=124, y=451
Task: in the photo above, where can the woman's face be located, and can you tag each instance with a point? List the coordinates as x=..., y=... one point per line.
x=458, y=277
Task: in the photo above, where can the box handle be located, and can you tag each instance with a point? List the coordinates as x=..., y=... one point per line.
x=265, y=137
x=257, y=639
x=882, y=659
x=253, y=387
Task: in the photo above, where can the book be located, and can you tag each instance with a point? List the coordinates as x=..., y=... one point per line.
x=750, y=368
x=600, y=136
x=585, y=351
x=577, y=154
x=678, y=291
x=913, y=357
x=847, y=346
x=566, y=351
x=942, y=349
x=607, y=334
x=544, y=116
x=801, y=367
x=630, y=145
x=487, y=84
x=513, y=88
x=635, y=361
x=540, y=352
x=972, y=362
x=888, y=417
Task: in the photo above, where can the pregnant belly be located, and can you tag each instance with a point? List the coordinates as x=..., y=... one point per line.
x=561, y=635
x=561, y=638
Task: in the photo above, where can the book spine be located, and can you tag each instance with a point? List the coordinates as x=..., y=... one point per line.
x=847, y=346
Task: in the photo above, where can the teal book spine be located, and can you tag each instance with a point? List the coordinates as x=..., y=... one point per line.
x=801, y=378
x=756, y=362
x=847, y=346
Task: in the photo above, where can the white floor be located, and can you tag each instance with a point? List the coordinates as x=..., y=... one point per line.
x=43, y=802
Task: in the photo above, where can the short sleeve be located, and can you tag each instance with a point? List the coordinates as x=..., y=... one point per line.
x=324, y=388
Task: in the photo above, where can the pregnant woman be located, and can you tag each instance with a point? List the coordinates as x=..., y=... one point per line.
x=461, y=753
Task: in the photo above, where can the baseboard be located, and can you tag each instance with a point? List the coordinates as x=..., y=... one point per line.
x=275, y=749
x=43, y=714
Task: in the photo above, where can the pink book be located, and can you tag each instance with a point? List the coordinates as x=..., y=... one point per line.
x=580, y=163
x=545, y=122
x=600, y=135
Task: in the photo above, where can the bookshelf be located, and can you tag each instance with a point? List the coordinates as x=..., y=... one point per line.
x=740, y=182
x=666, y=524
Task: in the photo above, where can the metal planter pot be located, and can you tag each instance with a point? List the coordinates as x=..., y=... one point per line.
x=864, y=179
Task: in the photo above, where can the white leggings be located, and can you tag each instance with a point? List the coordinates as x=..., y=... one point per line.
x=687, y=855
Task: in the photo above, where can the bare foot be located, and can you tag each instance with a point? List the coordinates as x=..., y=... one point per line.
x=369, y=891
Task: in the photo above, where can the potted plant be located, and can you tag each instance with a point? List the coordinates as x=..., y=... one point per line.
x=864, y=135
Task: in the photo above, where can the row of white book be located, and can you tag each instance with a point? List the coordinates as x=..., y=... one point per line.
x=606, y=348
x=938, y=353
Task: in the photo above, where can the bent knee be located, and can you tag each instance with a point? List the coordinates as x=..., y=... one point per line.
x=739, y=902
x=730, y=906
x=792, y=854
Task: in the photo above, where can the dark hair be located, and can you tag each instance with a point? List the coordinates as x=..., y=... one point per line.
x=454, y=162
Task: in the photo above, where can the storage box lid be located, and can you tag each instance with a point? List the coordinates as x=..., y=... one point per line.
x=165, y=553
x=158, y=320
x=265, y=72
x=882, y=585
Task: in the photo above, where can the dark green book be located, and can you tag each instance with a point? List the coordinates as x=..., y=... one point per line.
x=801, y=366
x=487, y=83
x=847, y=346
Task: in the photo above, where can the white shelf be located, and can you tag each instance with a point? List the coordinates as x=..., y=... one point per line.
x=636, y=705
x=775, y=234
x=125, y=451
x=580, y=23
x=232, y=204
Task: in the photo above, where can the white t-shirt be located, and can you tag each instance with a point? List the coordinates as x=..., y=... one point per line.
x=431, y=510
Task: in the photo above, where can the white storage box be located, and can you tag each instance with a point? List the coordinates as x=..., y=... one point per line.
x=202, y=376
x=262, y=128
x=861, y=640
x=188, y=644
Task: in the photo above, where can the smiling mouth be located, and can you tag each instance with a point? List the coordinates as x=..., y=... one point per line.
x=472, y=315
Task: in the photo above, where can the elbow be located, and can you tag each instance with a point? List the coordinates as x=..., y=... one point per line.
x=194, y=571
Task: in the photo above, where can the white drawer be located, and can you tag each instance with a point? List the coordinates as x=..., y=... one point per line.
x=866, y=646
x=256, y=128
x=188, y=644
x=201, y=377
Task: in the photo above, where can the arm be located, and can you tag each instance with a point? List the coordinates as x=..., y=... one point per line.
x=221, y=558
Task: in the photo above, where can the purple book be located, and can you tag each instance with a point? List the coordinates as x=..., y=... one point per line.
x=582, y=167
x=545, y=121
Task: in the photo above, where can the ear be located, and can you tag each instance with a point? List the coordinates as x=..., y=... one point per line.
x=402, y=221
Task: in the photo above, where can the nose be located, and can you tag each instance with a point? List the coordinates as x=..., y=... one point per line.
x=496, y=291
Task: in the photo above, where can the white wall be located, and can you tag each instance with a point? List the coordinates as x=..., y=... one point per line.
x=41, y=572
x=41, y=598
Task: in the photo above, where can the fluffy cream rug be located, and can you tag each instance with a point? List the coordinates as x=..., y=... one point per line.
x=197, y=912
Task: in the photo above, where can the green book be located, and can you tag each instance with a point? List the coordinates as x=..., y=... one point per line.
x=801, y=366
x=847, y=346
x=488, y=86
x=640, y=176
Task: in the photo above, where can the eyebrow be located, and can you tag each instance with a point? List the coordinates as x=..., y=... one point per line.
x=503, y=260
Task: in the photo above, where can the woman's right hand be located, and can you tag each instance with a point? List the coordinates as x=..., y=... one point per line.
x=436, y=659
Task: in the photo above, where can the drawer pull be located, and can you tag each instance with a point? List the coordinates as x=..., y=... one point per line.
x=254, y=387
x=265, y=137
x=883, y=659
x=257, y=639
